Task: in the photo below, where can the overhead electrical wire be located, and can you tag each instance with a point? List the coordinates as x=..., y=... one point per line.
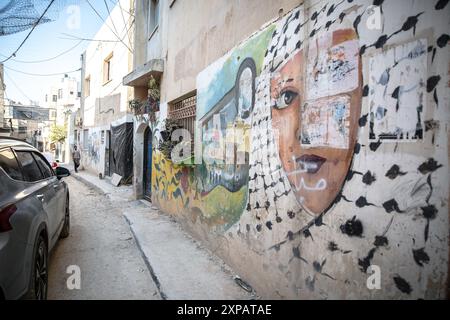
x=125, y=23
x=109, y=14
x=50, y=59
x=126, y=11
x=72, y=37
x=42, y=75
x=104, y=21
x=29, y=34
x=17, y=87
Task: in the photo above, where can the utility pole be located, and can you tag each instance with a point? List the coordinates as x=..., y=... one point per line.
x=2, y=99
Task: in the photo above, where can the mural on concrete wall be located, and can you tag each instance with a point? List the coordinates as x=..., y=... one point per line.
x=325, y=110
x=225, y=100
x=324, y=197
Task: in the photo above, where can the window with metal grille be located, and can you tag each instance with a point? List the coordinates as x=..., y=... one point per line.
x=184, y=111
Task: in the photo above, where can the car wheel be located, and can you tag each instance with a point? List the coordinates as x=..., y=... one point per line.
x=66, y=228
x=39, y=272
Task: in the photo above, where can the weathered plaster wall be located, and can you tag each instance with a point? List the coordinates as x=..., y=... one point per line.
x=205, y=34
x=107, y=101
x=93, y=157
x=347, y=161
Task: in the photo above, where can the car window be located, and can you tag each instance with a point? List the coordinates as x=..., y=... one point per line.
x=43, y=165
x=30, y=168
x=9, y=163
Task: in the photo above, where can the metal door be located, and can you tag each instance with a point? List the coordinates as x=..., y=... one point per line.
x=147, y=164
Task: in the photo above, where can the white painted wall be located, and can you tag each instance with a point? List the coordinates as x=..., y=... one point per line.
x=93, y=157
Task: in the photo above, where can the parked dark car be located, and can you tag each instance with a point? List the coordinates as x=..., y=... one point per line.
x=34, y=214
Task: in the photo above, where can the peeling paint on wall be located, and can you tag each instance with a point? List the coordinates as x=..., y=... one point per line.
x=397, y=92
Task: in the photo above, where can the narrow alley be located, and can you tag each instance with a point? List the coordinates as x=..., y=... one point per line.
x=126, y=250
x=102, y=245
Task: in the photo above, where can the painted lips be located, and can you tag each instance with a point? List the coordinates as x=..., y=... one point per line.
x=310, y=163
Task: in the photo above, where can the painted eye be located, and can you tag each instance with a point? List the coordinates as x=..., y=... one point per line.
x=285, y=99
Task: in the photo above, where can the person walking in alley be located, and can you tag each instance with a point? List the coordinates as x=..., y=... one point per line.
x=76, y=157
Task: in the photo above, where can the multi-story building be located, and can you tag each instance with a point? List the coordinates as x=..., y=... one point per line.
x=62, y=98
x=106, y=140
x=30, y=123
x=4, y=130
x=343, y=110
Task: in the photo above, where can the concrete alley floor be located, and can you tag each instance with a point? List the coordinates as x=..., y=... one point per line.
x=102, y=245
x=126, y=249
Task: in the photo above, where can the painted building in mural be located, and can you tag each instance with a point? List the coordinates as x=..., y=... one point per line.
x=323, y=131
x=106, y=139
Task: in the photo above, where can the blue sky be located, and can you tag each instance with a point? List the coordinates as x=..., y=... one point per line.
x=46, y=42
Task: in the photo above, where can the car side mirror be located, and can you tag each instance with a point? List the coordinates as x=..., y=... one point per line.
x=62, y=172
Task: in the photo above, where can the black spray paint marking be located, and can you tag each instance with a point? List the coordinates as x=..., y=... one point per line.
x=362, y=202
x=357, y=148
x=431, y=188
x=296, y=253
x=432, y=82
x=430, y=165
x=402, y=284
x=290, y=235
x=441, y=4
x=394, y=172
x=352, y=228
x=391, y=205
x=420, y=256
x=307, y=234
x=351, y=173
x=363, y=121
x=318, y=267
x=369, y=178
x=442, y=41
x=380, y=241
x=410, y=23
x=366, y=262
x=318, y=222
x=427, y=230
x=429, y=212
x=374, y=145
x=332, y=246
x=365, y=92
x=356, y=22
x=378, y=3
x=435, y=98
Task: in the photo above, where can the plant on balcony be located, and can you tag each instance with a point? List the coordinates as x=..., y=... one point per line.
x=135, y=105
x=154, y=94
x=151, y=105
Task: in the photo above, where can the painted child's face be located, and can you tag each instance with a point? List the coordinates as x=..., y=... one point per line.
x=315, y=110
